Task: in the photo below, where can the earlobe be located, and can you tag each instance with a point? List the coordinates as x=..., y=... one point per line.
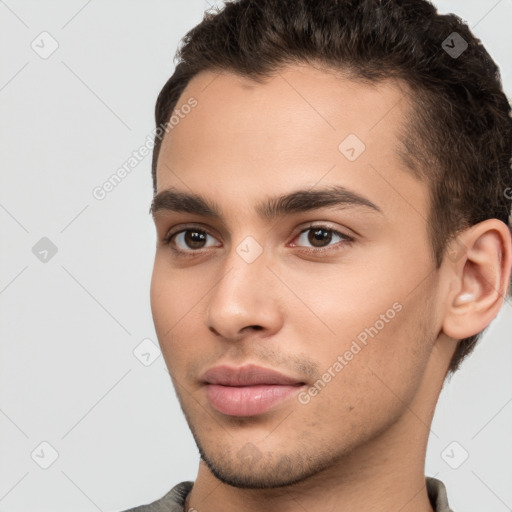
x=479, y=279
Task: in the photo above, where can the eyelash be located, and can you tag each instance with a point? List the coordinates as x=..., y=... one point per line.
x=168, y=239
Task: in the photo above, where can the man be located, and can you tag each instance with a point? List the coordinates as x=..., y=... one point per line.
x=332, y=198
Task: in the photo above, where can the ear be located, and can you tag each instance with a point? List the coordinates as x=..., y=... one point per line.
x=479, y=264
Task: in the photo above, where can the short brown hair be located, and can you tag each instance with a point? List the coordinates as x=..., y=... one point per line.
x=458, y=136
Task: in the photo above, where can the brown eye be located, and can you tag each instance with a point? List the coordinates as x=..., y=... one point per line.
x=194, y=239
x=321, y=236
x=189, y=240
x=318, y=236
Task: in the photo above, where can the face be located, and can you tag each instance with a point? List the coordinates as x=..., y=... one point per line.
x=338, y=296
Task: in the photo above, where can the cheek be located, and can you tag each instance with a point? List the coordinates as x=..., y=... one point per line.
x=372, y=389
x=172, y=306
x=161, y=297
x=369, y=295
x=340, y=302
x=382, y=332
x=172, y=295
x=387, y=372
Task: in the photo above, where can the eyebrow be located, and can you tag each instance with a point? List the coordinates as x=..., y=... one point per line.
x=336, y=197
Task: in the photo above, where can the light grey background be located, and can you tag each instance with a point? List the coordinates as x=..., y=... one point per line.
x=69, y=326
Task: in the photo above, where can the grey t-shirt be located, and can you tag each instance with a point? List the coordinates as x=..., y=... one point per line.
x=174, y=500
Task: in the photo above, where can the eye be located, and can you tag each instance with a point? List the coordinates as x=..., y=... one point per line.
x=320, y=236
x=188, y=240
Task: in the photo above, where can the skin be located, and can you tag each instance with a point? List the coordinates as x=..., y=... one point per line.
x=360, y=443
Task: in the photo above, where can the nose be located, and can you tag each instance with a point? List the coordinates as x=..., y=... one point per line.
x=245, y=299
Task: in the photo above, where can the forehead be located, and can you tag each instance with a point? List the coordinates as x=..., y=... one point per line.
x=302, y=127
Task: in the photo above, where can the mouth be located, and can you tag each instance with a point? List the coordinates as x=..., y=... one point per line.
x=248, y=400
x=247, y=390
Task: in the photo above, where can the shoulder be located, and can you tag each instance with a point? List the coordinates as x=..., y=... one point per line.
x=173, y=501
x=437, y=495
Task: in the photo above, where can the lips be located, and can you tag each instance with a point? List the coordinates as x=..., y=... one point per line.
x=247, y=390
x=249, y=375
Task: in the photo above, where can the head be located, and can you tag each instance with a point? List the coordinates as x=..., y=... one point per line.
x=284, y=105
